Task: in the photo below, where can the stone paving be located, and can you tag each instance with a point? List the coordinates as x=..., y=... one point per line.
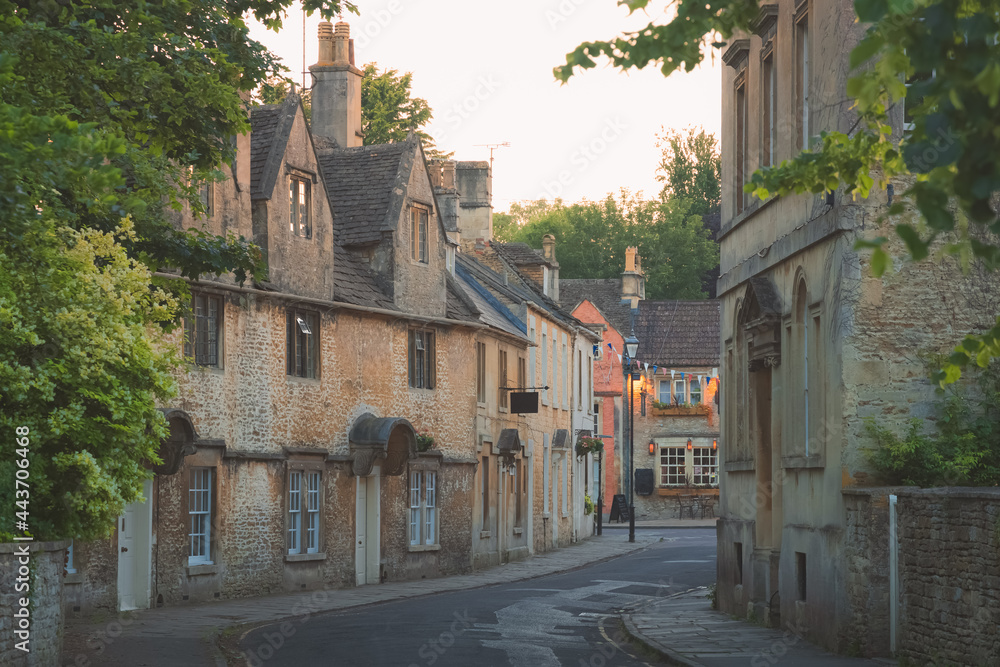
x=686, y=631
x=184, y=635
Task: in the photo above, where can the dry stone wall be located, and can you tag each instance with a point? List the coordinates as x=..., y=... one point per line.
x=38, y=627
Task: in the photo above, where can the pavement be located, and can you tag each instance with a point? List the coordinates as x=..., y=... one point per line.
x=661, y=523
x=685, y=630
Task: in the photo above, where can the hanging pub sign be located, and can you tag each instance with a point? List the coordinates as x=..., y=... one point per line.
x=524, y=402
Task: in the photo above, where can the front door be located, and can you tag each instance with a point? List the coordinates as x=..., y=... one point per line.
x=367, y=523
x=134, y=540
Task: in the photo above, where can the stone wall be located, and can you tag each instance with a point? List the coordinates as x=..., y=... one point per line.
x=949, y=545
x=42, y=628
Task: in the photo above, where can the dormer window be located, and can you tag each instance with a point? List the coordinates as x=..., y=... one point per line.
x=300, y=200
x=418, y=234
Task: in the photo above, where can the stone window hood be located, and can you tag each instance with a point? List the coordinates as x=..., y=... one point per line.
x=181, y=442
x=760, y=317
x=561, y=439
x=390, y=440
x=509, y=443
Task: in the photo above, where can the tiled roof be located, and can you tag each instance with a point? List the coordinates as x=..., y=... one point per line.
x=492, y=310
x=519, y=254
x=458, y=303
x=270, y=126
x=605, y=294
x=355, y=283
x=678, y=333
x=360, y=183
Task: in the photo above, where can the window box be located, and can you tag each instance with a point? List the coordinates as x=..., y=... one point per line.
x=702, y=410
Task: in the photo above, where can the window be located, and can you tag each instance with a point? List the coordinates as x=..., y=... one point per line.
x=678, y=464
x=545, y=474
x=421, y=359
x=502, y=373
x=532, y=354
x=579, y=379
x=423, y=508
x=741, y=141
x=664, y=391
x=800, y=575
x=200, y=516
x=68, y=564
x=565, y=485
x=303, y=511
x=302, y=331
x=519, y=489
x=672, y=466
x=802, y=80
x=597, y=418
x=203, y=330
x=418, y=234
x=642, y=404
x=207, y=196
x=299, y=200
x=769, y=94
x=695, y=391
x=481, y=372
x=704, y=466
x=545, y=368
x=565, y=374
x=680, y=396
x=522, y=374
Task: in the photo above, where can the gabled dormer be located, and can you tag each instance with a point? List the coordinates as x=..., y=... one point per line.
x=385, y=212
x=291, y=217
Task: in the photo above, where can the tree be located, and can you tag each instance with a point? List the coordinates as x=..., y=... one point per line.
x=690, y=167
x=592, y=238
x=389, y=113
x=506, y=226
x=949, y=52
x=110, y=113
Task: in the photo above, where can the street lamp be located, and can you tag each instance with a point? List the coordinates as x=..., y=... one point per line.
x=631, y=350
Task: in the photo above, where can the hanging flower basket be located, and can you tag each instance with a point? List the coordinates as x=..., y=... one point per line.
x=587, y=445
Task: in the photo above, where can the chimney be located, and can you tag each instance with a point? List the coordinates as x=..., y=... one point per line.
x=549, y=254
x=633, y=280
x=336, y=96
x=448, y=174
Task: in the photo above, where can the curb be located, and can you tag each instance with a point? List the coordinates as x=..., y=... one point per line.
x=672, y=657
x=220, y=659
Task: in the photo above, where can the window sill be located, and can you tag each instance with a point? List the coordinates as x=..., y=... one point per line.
x=503, y=409
x=519, y=531
x=485, y=534
x=203, y=569
x=295, y=379
x=424, y=547
x=811, y=461
x=739, y=466
x=73, y=578
x=298, y=558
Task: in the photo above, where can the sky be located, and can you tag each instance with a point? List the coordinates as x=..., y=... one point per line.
x=485, y=69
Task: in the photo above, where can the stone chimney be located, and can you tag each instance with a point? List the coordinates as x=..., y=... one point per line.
x=633, y=280
x=336, y=92
x=549, y=254
x=448, y=174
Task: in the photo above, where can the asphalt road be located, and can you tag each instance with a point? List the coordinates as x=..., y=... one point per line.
x=566, y=619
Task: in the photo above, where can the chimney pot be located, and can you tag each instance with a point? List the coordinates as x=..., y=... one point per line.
x=448, y=174
x=325, y=42
x=341, y=43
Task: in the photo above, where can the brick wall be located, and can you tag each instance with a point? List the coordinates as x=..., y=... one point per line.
x=949, y=544
x=44, y=623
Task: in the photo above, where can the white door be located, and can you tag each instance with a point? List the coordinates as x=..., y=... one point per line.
x=126, y=559
x=135, y=552
x=367, y=524
x=361, y=526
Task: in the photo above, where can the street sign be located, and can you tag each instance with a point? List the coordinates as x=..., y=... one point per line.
x=524, y=402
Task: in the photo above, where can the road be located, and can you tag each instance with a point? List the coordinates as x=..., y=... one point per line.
x=566, y=619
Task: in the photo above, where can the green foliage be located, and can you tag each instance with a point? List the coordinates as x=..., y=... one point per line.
x=585, y=445
x=947, y=50
x=592, y=237
x=389, y=113
x=962, y=448
x=588, y=505
x=690, y=168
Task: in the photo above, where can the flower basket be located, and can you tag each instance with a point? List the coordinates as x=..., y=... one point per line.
x=587, y=445
x=686, y=410
x=424, y=442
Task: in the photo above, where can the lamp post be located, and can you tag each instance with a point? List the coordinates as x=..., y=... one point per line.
x=631, y=350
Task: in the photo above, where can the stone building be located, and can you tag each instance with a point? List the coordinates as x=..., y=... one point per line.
x=332, y=428
x=679, y=363
x=812, y=343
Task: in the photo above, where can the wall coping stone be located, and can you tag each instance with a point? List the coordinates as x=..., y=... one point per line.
x=973, y=492
x=14, y=547
x=875, y=490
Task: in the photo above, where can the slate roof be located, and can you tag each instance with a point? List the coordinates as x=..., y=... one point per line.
x=360, y=183
x=604, y=293
x=270, y=127
x=492, y=311
x=678, y=333
x=459, y=305
x=355, y=283
x=520, y=254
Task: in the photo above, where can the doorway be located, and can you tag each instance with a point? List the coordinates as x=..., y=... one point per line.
x=367, y=522
x=135, y=527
